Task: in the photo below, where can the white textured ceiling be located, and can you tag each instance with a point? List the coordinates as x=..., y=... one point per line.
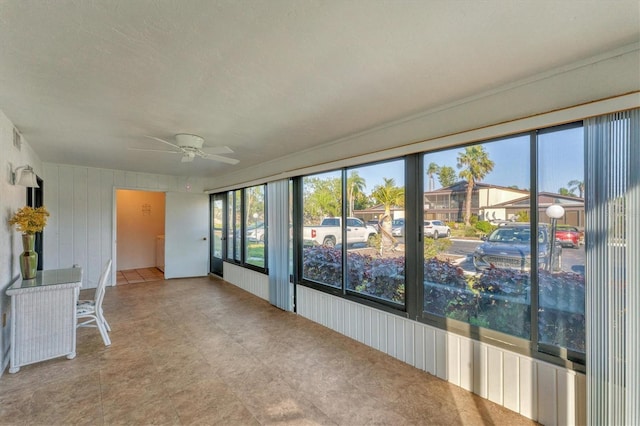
x=84, y=80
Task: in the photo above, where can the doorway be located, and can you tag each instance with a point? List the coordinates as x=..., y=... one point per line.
x=218, y=238
x=140, y=230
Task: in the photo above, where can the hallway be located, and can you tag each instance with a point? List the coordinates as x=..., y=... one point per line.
x=189, y=351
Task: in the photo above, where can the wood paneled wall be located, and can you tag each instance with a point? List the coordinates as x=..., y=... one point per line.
x=81, y=200
x=248, y=280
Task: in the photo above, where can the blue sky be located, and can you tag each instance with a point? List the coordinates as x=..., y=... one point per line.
x=560, y=161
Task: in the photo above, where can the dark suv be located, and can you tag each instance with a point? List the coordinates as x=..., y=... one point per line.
x=509, y=247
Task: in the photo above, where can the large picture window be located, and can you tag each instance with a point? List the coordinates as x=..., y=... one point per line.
x=561, y=189
x=364, y=228
x=503, y=258
x=322, y=231
x=246, y=229
x=255, y=226
x=493, y=233
x=375, y=231
x=477, y=197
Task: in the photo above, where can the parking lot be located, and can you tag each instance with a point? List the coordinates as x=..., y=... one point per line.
x=572, y=259
x=461, y=252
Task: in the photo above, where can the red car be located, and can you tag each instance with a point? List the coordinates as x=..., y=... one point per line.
x=568, y=236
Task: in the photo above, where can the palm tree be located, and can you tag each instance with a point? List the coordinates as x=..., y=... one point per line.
x=432, y=170
x=477, y=165
x=577, y=184
x=446, y=176
x=355, y=187
x=389, y=195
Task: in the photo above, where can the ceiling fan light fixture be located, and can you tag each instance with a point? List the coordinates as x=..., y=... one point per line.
x=189, y=141
x=190, y=146
x=188, y=157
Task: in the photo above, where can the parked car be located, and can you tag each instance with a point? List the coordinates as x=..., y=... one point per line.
x=568, y=236
x=397, y=228
x=436, y=229
x=329, y=232
x=374, y=224
x=255, y=232
x=509, y=247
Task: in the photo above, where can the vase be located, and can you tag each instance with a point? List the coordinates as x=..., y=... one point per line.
x=29, y=257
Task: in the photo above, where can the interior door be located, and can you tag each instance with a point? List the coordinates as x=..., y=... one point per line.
x=218, y=236
x=186, y=230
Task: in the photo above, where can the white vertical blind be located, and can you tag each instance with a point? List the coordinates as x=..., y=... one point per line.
x=278, y=244
x=612, y=267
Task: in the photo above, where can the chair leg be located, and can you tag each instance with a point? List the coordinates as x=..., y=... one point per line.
x=104, y=320
x=103, y=332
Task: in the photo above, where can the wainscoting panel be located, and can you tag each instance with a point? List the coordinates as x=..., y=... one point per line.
x=248, y=280
x=540, y=391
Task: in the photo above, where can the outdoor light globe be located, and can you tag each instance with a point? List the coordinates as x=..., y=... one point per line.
x=555, y=211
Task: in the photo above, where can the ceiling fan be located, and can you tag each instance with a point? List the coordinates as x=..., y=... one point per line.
x=190, y=147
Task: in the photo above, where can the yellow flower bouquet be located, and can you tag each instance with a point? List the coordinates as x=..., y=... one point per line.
x=29, y=220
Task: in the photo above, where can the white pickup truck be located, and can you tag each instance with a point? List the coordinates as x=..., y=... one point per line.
x=329, y=232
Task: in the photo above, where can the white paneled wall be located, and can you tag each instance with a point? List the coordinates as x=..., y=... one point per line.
x=12, y=198
x=81, y=201
x=248, y=280
x=540, y=391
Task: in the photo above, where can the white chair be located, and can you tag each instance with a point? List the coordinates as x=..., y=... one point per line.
x=91, y=310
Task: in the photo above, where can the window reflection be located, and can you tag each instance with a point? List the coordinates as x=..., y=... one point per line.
x=230, y=221
x=322, y=233
x=373, y=226
x=561, y=180
x=217, y=222
x=481, y=273
x=254, y=226
x=376, y=229
x=237, y=232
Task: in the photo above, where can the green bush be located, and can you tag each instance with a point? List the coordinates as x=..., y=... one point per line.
x=470, y=231
x=522, y=216
x=485, y=227
x=432, y=247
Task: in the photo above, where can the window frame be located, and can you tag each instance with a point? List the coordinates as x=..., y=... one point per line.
x=233, y=244
x=342, y=291
x=414, y=249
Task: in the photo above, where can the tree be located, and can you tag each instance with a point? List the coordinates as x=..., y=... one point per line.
x=446, y=176
x=565, y=191
x=355, y=187
x=389, y=195
x=432, y=170
x=576, y=184
x=475, y=164
x=254, y=202
x=522, y=216
x=322, y=197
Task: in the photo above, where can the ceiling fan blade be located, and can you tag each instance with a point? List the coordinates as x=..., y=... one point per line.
x=216, y=150
x=162, y=140
x=155, y=150
x=221, y=159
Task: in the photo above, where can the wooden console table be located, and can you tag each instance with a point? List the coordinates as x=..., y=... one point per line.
x=43, y=316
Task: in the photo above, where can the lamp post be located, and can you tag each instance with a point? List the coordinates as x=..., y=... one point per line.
x=555, y=212
x=255, y=218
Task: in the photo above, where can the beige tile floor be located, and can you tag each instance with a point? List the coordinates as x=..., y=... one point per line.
x=131, y=276
x=201, y=351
